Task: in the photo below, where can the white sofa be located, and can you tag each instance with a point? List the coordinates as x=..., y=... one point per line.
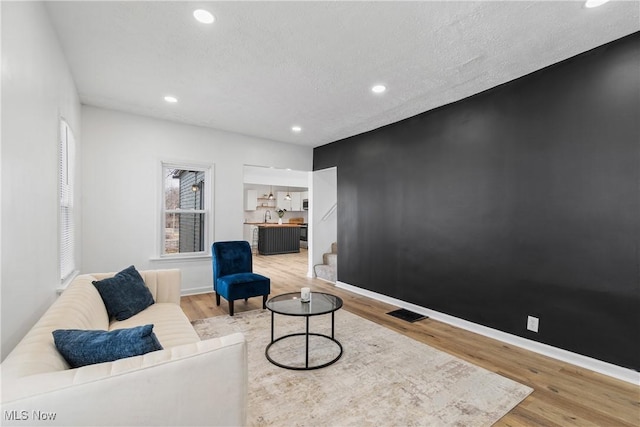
x=191, y=382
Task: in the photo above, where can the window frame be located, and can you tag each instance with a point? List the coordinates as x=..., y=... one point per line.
x=207, y=209
x=66, y=199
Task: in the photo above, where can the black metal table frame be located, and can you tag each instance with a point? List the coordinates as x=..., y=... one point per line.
x=306, y=334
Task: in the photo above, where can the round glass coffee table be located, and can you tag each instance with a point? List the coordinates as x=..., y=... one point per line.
x=291, y=305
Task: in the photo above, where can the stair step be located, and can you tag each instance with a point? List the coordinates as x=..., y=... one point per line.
x=330, y=259
x=326, y=272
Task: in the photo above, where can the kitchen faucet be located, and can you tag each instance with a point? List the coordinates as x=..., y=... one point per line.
x=267, y=214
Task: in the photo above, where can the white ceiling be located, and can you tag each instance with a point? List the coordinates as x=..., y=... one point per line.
x=265, y=66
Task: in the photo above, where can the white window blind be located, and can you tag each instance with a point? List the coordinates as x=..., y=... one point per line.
x=66, y=179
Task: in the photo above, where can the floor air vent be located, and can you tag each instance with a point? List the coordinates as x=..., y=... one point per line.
x=407, y=315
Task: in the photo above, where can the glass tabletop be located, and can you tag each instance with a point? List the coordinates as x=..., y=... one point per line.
x=291, y=305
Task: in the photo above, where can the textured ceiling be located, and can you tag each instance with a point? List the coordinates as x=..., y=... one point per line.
x=265, y=66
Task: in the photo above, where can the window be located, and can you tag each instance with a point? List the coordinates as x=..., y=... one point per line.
x=185, y=209
x=66, y=162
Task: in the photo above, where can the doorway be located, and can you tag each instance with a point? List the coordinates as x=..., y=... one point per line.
x=275, y=197
x=323, y=216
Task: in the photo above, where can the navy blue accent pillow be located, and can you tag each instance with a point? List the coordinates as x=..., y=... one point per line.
x=124, y=294
x=80, y=347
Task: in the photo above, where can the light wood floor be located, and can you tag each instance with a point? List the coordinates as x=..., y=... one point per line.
x=564, y=395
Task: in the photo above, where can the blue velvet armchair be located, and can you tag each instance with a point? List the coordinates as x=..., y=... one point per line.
x=233, y=276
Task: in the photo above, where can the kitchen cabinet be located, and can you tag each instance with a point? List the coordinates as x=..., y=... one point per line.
x=296, y=202
x=278, y=239
x=250, y=200
x=281, y=202
x=293, y=205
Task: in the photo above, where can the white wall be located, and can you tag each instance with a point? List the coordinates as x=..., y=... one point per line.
x=121, y=162
x=273, y=176
x=37, y=88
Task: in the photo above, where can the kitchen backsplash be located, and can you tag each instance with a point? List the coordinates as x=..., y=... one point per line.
x=258, y=215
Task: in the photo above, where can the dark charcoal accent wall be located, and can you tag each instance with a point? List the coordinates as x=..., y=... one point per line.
x=521, y=200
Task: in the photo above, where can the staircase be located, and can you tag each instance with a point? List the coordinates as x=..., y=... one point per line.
x=328, y=270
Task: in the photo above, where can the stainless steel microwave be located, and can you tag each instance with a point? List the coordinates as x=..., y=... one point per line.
x=305, y=204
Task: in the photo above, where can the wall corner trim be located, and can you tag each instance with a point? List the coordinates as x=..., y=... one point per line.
x=611, y=370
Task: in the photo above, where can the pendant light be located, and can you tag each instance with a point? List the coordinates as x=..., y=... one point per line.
x=288, y=196
x=270, y=193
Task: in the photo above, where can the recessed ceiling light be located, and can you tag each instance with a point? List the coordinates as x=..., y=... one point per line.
x=171, y=99
x=296, y=129
x=203, y=16
x=378, y=89
x=594, y=3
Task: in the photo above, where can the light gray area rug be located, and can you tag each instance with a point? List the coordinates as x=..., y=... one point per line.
x=382, y=379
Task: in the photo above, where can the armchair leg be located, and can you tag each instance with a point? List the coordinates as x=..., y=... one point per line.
x=230, y=307
x=264, y=301
x=217, y=299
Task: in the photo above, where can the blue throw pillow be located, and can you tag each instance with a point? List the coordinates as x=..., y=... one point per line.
x=80, y=348
x=124, y=294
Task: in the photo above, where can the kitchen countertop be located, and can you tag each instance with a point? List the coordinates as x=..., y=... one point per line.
x=271, y=224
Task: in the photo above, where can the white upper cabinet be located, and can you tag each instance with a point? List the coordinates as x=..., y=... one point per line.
x=293, y=205
x=296, y=201
x=281, y=202
x=251, y=200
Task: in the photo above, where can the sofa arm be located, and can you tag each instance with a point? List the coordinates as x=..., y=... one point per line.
x=203, y=383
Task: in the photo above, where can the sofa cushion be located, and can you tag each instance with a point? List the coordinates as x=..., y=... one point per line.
x=243, y=285
x=81, y=347
x=170, y=324
x=124, y=294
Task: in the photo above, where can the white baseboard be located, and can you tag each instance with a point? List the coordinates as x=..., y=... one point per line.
x=596, y=365
x=197, y=291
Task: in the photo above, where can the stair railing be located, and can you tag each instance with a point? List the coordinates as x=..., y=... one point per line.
x=331, y=210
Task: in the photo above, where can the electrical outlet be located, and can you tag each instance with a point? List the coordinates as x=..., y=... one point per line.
x=532, y=323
